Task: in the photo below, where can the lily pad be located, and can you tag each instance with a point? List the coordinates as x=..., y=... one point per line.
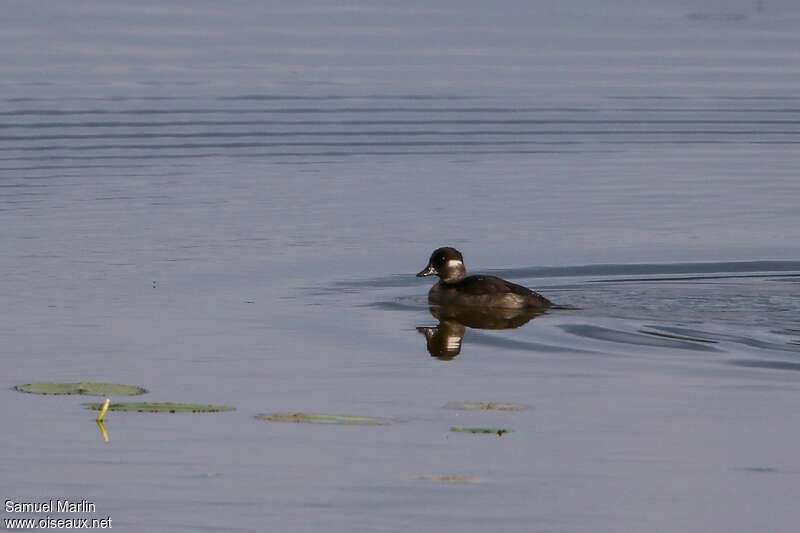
x=161, y=407
x=482, y=431
x=84, y=388
x=486, y=406
x=312, y=418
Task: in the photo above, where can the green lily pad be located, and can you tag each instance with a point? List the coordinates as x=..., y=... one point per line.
x=161, y=407
x=486, y=406
x=84, y=388
x=483, y=431
x=310, y=418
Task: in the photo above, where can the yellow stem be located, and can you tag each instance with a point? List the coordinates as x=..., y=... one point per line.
x=103, y=410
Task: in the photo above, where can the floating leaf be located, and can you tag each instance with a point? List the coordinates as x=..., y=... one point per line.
x=485, y=431
x=310, y=418
x=85, y=388
x=486, y=406
x=161, y=407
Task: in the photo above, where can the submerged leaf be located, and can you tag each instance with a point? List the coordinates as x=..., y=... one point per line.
x=486, y=406
x=456, y=479
x=484, y=431
x=312, y=418
x=84, y=388
x=161, y=407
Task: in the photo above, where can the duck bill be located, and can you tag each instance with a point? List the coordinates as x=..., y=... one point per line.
x=427, y=271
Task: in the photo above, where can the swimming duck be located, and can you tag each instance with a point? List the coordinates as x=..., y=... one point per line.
x=456, y=288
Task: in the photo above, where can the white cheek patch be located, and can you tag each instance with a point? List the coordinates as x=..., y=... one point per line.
x=454, y=263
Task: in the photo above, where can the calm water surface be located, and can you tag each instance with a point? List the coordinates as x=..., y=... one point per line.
x=227, y=203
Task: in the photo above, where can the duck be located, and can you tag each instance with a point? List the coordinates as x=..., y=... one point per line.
x=455, y=288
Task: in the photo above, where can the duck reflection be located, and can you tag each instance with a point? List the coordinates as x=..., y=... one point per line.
x=444, y=340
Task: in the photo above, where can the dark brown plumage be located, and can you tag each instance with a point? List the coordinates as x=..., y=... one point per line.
x=455, y=288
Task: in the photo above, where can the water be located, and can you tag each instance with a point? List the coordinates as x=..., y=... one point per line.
x=227, y=203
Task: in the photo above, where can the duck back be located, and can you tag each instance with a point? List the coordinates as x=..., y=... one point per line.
x=486, y=291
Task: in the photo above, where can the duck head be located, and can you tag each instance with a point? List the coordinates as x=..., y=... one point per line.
x=447, y=263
